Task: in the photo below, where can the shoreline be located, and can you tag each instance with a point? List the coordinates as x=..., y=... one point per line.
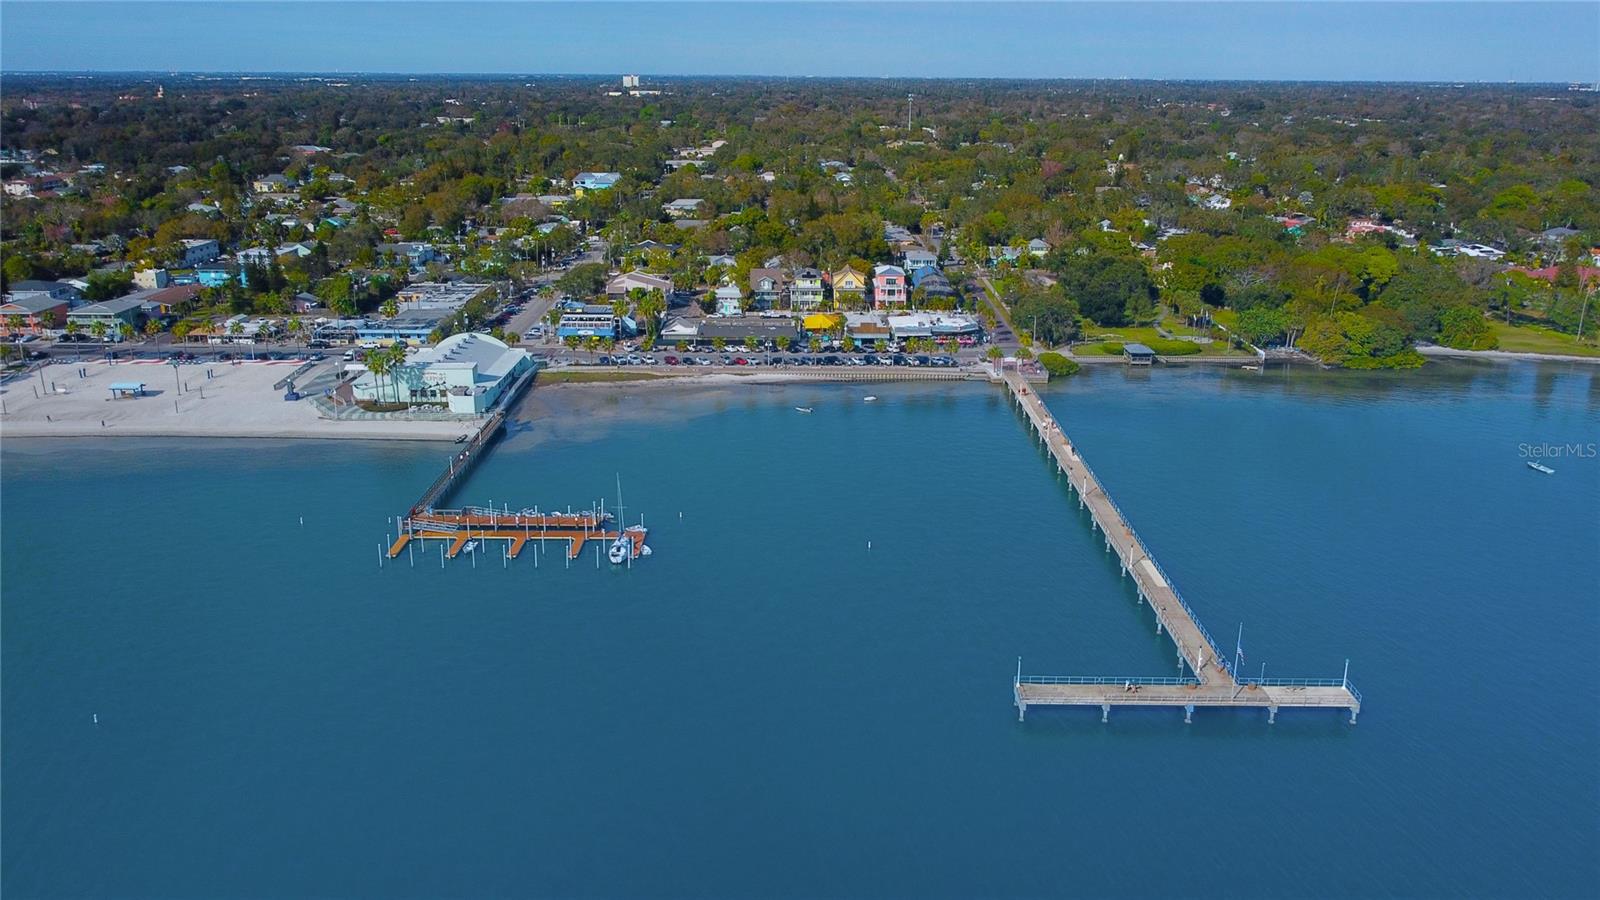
x=1504, y=355
x=33, y=431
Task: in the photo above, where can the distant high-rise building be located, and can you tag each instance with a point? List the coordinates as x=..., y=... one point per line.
x=630, y=81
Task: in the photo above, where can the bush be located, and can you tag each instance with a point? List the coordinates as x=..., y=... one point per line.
x=1058, y=365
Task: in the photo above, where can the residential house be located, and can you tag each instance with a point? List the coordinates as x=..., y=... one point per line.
x=933, y=285
x=685, y=206
x=723, y=260
x=889, y=286
x=271, y=184
x=109, y=316
x=919, y=259
x=627, y=281
x=998, y=254
x=767, y=287
x=416, y=253
x=157, y=303
x=32, y=314
x=1038, y=247
x=196, y=251
x=261, y=256
x=55, y=290
x=595, y=181
x=849, y=286
x=729, y=299
x=806, y=290
x=150, y=279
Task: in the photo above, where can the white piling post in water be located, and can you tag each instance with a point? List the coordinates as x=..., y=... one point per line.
x=411, y=556
x=441, y=554
x=474, y=555
x=380, y=556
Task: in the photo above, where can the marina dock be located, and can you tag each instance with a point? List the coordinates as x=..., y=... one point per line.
x=460, y=528
x=1211, y=680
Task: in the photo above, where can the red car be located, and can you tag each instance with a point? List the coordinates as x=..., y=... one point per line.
x=741, y=361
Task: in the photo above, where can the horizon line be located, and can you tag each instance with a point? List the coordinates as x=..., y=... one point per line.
x=81, y=73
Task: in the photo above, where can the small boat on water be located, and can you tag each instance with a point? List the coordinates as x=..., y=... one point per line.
x=470, y=547
x=1540, y=467
x=1251, y=368
x=463, y=439
x=802, y=409
x=869, y=398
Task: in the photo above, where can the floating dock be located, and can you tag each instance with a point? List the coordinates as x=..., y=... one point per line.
x=1212, y=680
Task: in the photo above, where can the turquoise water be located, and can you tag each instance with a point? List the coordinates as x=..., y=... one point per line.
x=765, y=707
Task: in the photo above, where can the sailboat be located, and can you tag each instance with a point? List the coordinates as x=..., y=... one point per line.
x=622, y=549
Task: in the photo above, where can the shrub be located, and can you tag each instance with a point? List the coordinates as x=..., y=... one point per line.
x=1058, y=365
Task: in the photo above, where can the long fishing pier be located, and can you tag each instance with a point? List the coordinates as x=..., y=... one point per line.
x=457, y=528
x=1212, y=680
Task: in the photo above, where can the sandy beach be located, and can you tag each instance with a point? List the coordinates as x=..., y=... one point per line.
x=234, y=400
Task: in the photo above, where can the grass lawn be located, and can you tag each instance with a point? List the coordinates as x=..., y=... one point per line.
x=1102, y=339
x=576, y=376
x=1537, y=339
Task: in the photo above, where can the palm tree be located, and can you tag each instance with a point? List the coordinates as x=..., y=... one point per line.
x=378, y=364
x=73, y=328
x=14, y=324
x=125, y=331
x=181, y=331
x=397, y=360
x=98, y=329
x=152, y=326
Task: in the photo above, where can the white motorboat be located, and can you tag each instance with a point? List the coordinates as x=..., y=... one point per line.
x=1540, y=467
x=470, y=547
x=802, y=409
x=869, y=398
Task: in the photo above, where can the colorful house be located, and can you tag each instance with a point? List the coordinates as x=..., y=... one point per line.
x=888, y=286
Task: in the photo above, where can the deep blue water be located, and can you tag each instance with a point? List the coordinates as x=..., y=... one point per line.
x=765, y=707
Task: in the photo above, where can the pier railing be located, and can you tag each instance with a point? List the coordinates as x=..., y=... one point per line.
x=1304, y=682
x=1177, y=681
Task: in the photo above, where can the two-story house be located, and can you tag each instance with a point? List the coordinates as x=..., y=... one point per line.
x=767, y=287
x=888, y=286
x=729, y=300
x=806, y=291
x=849, y=287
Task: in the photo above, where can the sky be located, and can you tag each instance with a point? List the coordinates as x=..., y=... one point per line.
x=1321, y=40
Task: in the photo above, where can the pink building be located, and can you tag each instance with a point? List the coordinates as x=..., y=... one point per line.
x=889, y=286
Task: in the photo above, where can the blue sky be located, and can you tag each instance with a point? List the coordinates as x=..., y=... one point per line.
x=1265, y=40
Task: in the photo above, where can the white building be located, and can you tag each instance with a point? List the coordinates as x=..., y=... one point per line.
x=196, y=251
x=468, y=373
x=439, y=294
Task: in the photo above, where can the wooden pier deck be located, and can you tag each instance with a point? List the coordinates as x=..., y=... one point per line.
x=1213, y=681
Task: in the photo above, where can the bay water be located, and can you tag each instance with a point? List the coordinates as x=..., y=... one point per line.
x=770, y=707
